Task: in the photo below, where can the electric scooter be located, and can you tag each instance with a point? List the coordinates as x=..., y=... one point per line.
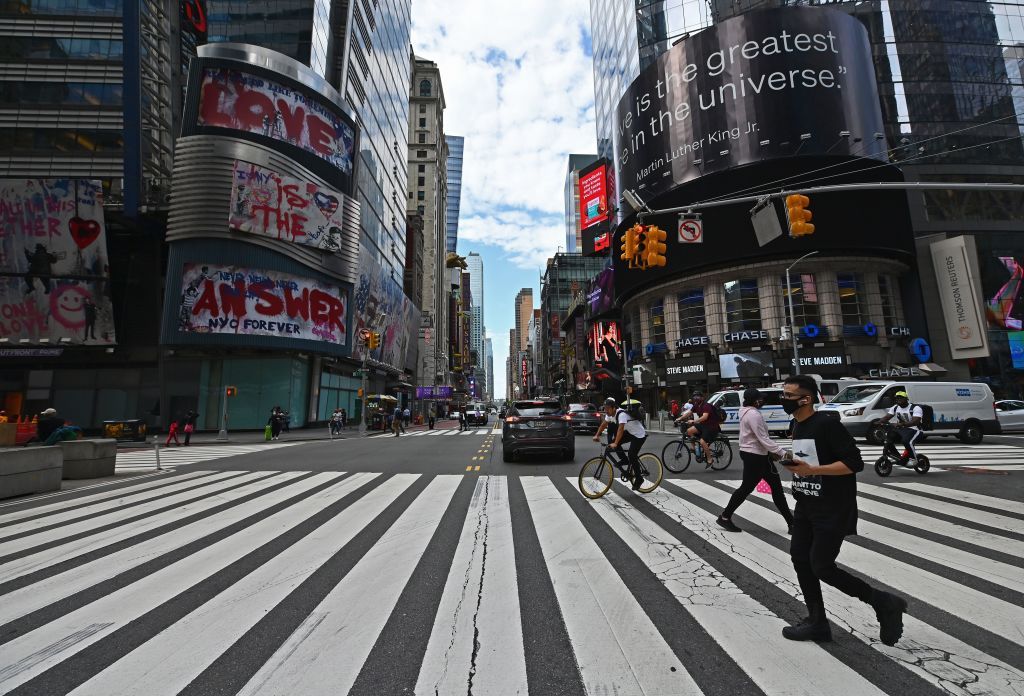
x=891, y=456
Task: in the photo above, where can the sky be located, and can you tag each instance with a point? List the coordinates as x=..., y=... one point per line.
x=518, y=85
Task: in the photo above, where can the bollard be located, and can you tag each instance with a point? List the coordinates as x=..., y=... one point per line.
x=156, y=450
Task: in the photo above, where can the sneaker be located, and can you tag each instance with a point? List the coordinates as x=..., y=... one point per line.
x=727, y=524
x=638, y=482
x=819, y=632
x=889, y=611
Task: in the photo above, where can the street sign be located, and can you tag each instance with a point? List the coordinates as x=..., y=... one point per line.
x=364, y=335
x=691, y=228
x=765, y=221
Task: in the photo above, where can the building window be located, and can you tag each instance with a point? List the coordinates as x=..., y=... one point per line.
x=419, y=195
x=421, y=167
x=423, y=123
x=423, y=108
x=890, y=301
x=424, y=88
x=421, y=181
x=421, y=137
x=852, y=302
x=692, y=322
x=657, y=322
x=804, y=292
x=421, y=153
x=410, y=195
x=742, y=307
x=420, y=209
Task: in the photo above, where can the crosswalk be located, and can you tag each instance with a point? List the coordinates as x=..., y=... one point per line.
x=171, y=457
x=272, y=582
x=453, y=431
x=945, y=455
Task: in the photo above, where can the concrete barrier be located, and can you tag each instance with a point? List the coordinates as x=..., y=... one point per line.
x=85, y=459
x=26, y=470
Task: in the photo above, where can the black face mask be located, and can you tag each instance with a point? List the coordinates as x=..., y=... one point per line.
x=791, y=406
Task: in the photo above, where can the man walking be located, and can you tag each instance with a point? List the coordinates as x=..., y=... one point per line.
x=824, y=467
x=396, y=421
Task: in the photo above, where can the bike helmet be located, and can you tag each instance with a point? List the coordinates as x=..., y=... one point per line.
x=610, y=401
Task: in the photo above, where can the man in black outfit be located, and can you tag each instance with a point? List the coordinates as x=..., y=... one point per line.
x=824, y=467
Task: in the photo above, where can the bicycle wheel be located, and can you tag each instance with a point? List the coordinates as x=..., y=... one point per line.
x=596, y=477
x=676, y=456
x=650, y=464
x=722, y=451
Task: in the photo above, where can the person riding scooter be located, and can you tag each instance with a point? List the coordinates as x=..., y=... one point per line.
x=908, y=418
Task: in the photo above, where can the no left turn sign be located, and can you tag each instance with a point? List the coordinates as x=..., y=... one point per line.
x=691, y=231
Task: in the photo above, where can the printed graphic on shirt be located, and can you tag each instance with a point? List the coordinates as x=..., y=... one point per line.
x=905, y=415
x=806, y=450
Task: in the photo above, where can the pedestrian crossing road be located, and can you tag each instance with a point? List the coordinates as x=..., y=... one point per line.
x=299, y=582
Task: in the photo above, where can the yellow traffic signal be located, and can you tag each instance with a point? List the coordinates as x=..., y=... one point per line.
x=799, y=216
x=654, y=247
x=231, y=391
x=630, y=243
x=374, y=341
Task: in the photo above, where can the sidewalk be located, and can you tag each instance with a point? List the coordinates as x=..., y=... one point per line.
x=252, y=437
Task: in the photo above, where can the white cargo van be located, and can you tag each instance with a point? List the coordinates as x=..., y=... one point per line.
x=963, y=409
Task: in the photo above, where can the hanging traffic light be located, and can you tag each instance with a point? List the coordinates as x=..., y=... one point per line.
x=631, y=245
x=374, y=341
x=654, y=247
x=799, y=217
x=230, y=391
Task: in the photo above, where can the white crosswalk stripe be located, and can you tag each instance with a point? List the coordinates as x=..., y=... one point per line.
x=171, y=457
x=264, y=582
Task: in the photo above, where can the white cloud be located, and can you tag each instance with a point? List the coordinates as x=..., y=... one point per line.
x=519, y=87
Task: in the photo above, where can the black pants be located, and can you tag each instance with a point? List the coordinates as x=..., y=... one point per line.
x=755, y=468
x=814, y=549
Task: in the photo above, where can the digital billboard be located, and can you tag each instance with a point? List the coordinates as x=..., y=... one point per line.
x=1004, y=307
x=751, y=88
x=746, y=365
x=601, y=293
x=593, y=194
x=605, y=344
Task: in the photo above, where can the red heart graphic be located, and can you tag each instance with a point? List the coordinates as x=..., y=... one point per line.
x=84, y=232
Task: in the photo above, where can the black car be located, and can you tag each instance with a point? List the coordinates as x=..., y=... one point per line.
x=540, y=425
x=585, y=418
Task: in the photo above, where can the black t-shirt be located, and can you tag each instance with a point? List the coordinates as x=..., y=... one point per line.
x=830, y=501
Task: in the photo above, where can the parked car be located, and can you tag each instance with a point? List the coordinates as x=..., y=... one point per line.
x=476, y=414
x=585, y=418
x=1010, y=414
x=539, y=425
x=964, y=409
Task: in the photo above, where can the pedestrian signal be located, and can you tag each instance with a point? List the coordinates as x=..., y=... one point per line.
x=799, y=217
x=654, y=247
x=231, y=391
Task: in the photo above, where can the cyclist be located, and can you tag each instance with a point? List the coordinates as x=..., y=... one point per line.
x=909, y=417
x=703, y=424
x=628, y=430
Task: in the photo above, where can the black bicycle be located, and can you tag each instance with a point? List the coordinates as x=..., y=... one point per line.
x=597, y=473
x=891, y=456
x=678, y=454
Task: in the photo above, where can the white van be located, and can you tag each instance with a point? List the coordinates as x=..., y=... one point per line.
x=963, y=409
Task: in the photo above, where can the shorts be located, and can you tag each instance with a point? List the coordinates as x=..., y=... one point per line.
x=706, y=431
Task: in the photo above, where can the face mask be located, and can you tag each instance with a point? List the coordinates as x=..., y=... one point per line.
x=791, y=406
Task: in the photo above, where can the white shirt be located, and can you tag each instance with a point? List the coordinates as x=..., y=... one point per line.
x=633, y=426
x=906, y=414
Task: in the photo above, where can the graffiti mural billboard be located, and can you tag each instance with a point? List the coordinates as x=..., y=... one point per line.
x=377, y=293
x=224, y=299
x=269, y=204
x=54, y=270
x=234, y=99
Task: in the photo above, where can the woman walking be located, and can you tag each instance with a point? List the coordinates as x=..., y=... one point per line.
x=276, y=423
x=756, y=451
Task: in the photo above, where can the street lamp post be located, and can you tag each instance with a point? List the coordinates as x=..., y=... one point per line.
x=792, y=317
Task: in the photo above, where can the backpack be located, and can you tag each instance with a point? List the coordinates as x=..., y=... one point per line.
x=635, y=411
x=722, y=414
x=927, y=416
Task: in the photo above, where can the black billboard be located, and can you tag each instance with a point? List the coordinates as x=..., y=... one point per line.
x=767, y=84
x=685, y=370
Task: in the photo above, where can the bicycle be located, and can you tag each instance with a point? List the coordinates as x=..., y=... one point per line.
x=677, y=454
x=891, y=456
x=596, y=474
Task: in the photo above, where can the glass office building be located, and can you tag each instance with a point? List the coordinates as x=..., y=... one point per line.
x=456, y=146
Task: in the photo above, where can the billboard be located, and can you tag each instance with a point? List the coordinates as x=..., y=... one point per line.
x=601, y=293
x=53, y=254
x=605, y=344
x=955, y=279
x=593, y=193
x=746, y=365
x=227, y=299
x=1004, y=308
x=246, y=101
x=751, y=88
x=378, y=294
x=269, y=204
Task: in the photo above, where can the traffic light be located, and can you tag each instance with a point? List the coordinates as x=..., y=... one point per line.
x=631, y=244
x=374, y=341
x=654, y=247
x=799, y=216
x=231, y=391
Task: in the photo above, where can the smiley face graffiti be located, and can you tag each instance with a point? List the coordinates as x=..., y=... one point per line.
x=67, y=306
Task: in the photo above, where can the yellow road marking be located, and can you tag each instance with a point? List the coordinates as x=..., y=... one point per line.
x=477, y=468
x=469, y=468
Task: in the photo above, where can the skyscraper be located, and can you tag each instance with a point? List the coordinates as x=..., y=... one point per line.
x=489, y=368
x=524, y=312
x=573, y=232
x=456, y=146
x=475, y=267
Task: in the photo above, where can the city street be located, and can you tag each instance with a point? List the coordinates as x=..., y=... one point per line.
x=424, y=564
